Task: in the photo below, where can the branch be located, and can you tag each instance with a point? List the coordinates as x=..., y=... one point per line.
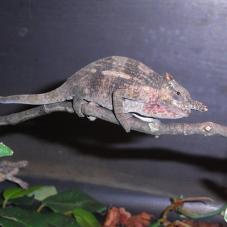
x=39, y=111
x=154, y=128
x=158, y=128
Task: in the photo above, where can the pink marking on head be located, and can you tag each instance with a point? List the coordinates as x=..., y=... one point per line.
x=152, y=96
x=158, y=111
x=153, y=108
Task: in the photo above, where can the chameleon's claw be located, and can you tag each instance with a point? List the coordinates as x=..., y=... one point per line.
x=126, y=126
x=127, y=129
x=77, y=103
x=123, y=120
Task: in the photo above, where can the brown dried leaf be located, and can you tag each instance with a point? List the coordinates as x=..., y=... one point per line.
x=120, y=217
x=112, y=218
x=141, y=220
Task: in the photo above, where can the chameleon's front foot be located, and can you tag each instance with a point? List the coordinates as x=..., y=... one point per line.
x=123, y=119
x=77, y=103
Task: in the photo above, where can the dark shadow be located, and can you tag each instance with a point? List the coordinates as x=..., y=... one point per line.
x=69, y=130
x=212, y=164
x=216, y=188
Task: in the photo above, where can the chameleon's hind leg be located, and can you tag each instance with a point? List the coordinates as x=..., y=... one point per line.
x=118, y=106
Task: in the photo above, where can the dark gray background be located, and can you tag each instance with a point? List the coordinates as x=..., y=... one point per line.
x=44, y=42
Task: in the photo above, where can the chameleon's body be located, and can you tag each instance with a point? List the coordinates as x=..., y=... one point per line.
x=126, y=86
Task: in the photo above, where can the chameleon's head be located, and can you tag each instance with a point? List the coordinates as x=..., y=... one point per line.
x=175, y=101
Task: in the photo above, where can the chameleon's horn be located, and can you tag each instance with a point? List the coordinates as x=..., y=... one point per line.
x=196, y=105
x=168, y=77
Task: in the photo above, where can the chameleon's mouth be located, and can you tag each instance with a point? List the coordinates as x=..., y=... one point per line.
x=190, y=105
x=143, y=118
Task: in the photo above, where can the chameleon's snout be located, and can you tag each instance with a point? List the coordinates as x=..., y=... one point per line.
x=196, y=105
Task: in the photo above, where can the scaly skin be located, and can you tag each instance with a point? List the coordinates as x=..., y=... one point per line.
x=126, y=86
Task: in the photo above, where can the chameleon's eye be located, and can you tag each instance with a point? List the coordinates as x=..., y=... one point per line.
x=178, y=93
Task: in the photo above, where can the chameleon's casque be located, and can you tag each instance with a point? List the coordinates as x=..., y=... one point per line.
x=124, y=85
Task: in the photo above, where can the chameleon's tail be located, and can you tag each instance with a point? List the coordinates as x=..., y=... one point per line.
x=57, y=95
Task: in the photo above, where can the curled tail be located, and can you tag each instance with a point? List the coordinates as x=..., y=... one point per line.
x=56, y=95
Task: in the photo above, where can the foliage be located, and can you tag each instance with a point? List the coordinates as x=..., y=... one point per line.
x=5, y=150
x=67, y=201
x=45, y=206
x=85, y=218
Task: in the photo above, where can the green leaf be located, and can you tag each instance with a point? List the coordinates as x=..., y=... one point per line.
x=15, y=193
x=156, y=224
x=43, y=192
x=69, y=200
x=5, y=150
x=24, y=201
x=12, y=193
x=85, y=218
x=28, y=218
x=9, y=223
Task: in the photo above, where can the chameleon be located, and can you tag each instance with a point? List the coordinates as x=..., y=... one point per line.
x=123, y=85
